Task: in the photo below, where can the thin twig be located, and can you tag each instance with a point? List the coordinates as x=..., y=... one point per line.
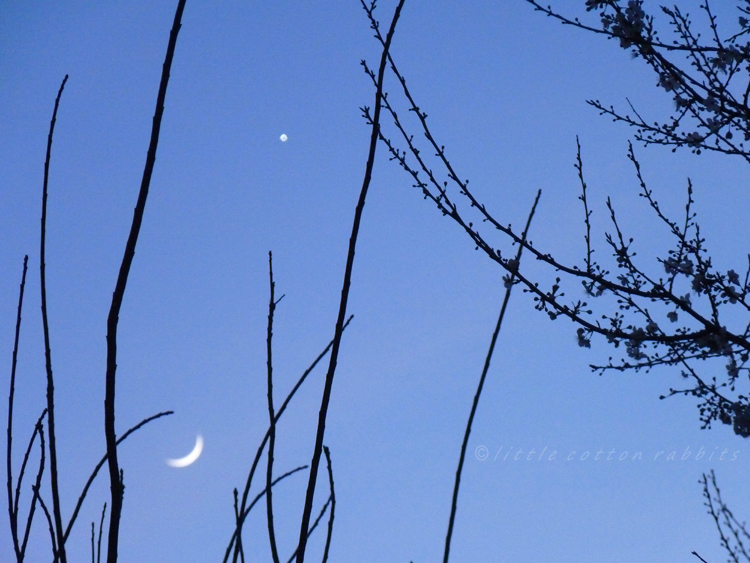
x=238, y=545
x=315, y=525
x=49, y=523
x=475, y=404
x=47, y=351
x=327, y=452
x=272, y=418
x=39, y=428
x=99, y=465
x=116, y=485
x=262, y=445
x=13, y=514
x=315, y=462
x=235, y=534
x=99, y=541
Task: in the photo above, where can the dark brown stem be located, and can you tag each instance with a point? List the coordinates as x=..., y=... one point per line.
x=478, y=394
x=116, y=485
x=47, y=351
x=315, y=462
x=13, y=514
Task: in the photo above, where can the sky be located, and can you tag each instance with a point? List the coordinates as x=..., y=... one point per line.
x=505, y=89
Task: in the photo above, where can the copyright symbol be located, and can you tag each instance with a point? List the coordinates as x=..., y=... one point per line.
x=481, y=453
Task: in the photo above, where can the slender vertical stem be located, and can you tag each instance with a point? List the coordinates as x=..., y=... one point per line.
x=116, y=485
x=327, y=452
x=315, y=462
x=475, y=404
x=272, y=417
x=60, y=554
x=13, y=514
x=99, y=540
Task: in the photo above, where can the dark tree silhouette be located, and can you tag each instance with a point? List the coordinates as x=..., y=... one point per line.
x=673, y=312
x=677, y=311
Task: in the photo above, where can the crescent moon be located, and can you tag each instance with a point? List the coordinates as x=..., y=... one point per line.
x=191, y=457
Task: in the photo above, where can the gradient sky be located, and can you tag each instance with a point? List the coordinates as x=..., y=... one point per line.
x=505, y=89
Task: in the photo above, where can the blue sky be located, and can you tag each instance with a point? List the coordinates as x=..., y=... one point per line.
x=505, y=89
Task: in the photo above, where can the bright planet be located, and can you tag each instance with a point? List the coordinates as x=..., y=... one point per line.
x=283, y=138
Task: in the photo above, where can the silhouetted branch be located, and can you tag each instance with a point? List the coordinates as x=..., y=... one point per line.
x=314, y=463
x=327, y=453
x=732, y=532
x=243, y=511
x=698, y=556
x=262, y=445
x=99, y=465
x=312, y=528
x=12, y=513
x=238, y=544
x=49, y=524
x=38, y=428
x=243, y=515
x=110, y=432
x=47, y=351
x=702, y=335
x=509, y=282
x=99, y=540
x=272, y=418
x=710, y=87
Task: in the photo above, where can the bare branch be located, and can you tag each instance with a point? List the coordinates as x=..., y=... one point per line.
x=314, y=463
x=110, y=432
